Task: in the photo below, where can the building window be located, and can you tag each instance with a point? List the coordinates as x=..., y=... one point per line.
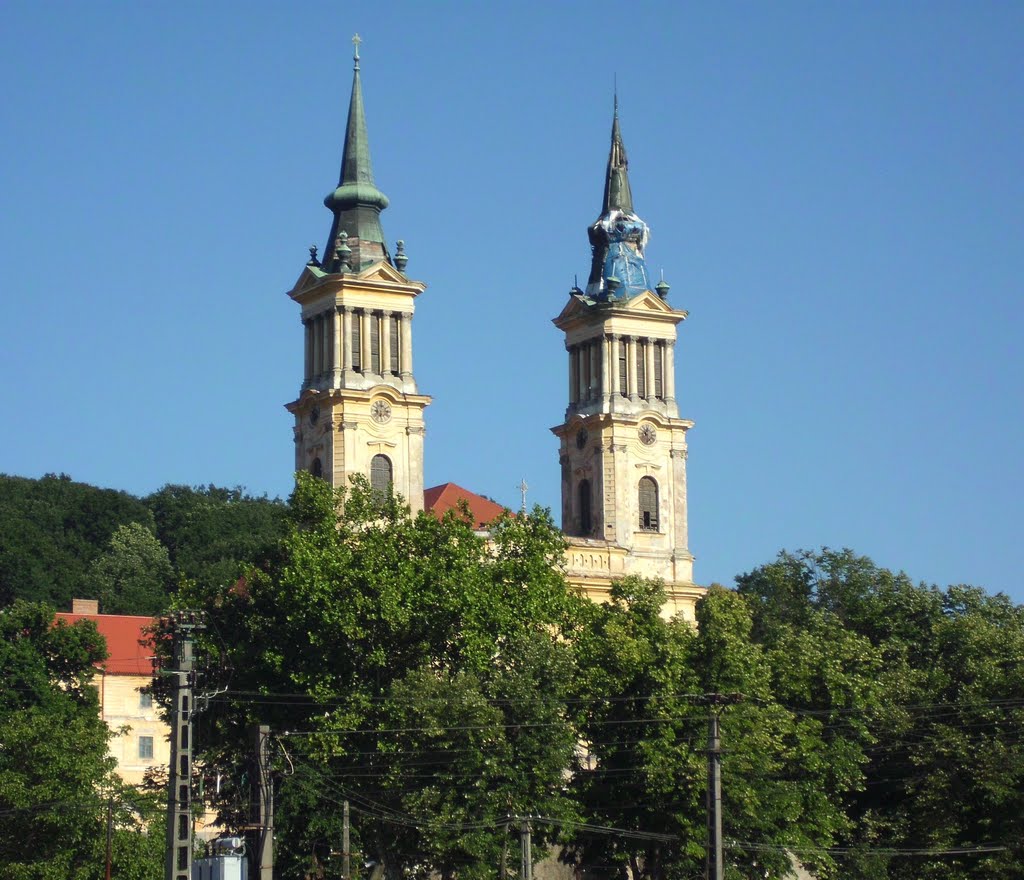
x=380, y=474
x=375, y=321
x=393, y=336
x=648, y=495
x=586, y=522
x=623, y=375
x=357, y=341
x=145, y=747
x=641, y=369
x=316, y=468
x=145, y=700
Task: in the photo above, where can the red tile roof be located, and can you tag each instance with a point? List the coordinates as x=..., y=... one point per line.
x=123, y=634
x=447, y=496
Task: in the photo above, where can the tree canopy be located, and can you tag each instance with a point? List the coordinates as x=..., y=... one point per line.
x=420, y=673
x=56, y=778
x=61, y=539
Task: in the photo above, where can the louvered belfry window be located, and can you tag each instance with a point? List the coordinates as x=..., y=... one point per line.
x=374, y=343
x=648, y=497
x=623, y=376
x=641, y=370
x=380, y=473
x=357, y=342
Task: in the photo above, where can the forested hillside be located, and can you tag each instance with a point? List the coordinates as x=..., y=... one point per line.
x=60, y=539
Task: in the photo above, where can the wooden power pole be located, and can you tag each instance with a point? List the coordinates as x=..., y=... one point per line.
x=263, y=804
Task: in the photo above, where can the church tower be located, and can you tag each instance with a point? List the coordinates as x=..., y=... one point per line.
x=359, y=410
x=623, y=444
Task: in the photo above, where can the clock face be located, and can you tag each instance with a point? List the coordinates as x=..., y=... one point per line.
x=314, y=415
x=648, y=436
x=380, y=411
x=581, y=438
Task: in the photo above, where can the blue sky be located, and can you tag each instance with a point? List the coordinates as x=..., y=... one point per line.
x=835, y=193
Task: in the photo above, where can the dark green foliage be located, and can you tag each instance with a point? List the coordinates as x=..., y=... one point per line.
x=946, y=769
x=56, y=779
x=51, y=530
x=645, y=716
x=61, y=540
x=211, y=532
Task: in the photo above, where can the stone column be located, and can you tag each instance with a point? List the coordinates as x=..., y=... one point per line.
x=335, y=348
x=631, y=366
x=385, y=344
x=649, y=364
x=668, y=372
x=307, y=369
x=365, y=329
x=405, y=334
x=346, y=363
x=583, y=352
x=680, y=531
x=606, y=375
x=325, y=346
x=574, y=382
x=318, y=346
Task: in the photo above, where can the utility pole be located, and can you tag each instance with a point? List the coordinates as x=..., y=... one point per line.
x=716, y=865
x=526, y=854
x=714, y=800
x=178, y=864
x=263, y=803
x=110, y=837
x=346, y=853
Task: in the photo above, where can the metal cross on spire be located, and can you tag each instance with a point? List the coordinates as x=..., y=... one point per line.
x=356, y=40
x=522, y=487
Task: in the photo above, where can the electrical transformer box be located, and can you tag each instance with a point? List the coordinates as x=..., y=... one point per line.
x=232, y=867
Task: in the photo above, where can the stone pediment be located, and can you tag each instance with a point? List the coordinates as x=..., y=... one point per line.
x=648, y=302
x=382, y=271
x=311, y=275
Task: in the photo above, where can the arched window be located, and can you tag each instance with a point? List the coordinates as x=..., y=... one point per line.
x=648, y=495
x=586, y=522
x=380, y=473
x=316, y=468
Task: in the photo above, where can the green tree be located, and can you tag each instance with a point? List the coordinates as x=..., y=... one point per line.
x=645, y=716
x=946, y=768
x=211, y=532
x=427, y=670
x=134, y=575
x=56, y=779
x=50, y=532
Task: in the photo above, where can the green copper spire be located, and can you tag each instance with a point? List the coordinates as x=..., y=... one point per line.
x=617, y=194
x=356, y=202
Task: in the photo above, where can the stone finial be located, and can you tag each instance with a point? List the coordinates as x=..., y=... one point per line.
x=401, y=260
x=342, y=252
x=313, y=261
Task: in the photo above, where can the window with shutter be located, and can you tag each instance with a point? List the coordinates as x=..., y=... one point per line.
x=648, y=497
x=623, y=377
x=380, y=473
x=393, y=334
x=357, y=341
x=374, y=343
